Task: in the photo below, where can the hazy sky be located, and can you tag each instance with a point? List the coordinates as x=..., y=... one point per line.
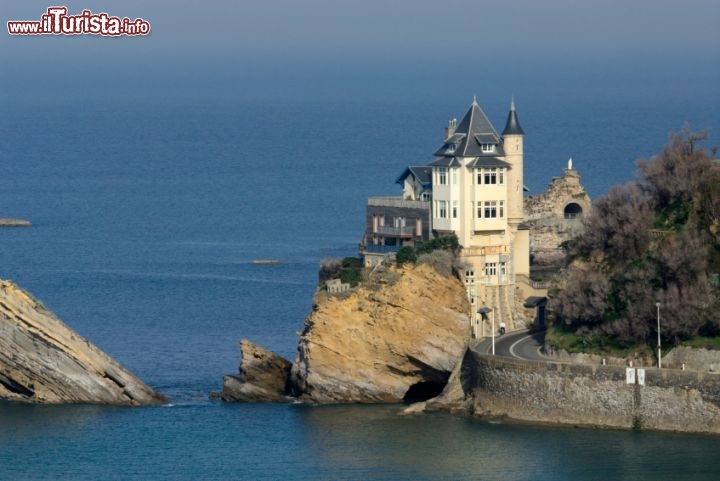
x=250, y=44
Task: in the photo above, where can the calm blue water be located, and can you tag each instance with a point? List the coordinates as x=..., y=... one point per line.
x=147, y=215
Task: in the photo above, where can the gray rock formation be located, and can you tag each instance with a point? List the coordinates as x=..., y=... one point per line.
x=44, y=361
x=264, y=376
x=555, y=216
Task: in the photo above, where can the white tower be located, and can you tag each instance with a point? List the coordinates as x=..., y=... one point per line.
x=513, y=136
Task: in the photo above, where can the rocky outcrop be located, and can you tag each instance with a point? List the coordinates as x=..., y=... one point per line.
x=44, y=361
x=396, y=337
x=263, y=377
x=555, y=216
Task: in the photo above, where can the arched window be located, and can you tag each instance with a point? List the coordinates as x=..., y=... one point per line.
x=573, y=211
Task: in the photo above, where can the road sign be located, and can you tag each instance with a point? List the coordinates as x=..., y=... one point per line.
x=630, y=375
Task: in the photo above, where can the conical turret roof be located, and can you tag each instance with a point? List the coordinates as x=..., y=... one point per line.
x=512, y=126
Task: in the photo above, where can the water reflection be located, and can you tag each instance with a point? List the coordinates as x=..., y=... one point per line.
x=381, y=444
x=27, y=421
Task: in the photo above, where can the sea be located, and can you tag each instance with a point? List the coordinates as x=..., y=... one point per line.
x=148, y=214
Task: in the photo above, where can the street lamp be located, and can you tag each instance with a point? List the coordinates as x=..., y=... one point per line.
x=493, y=333
x=484, y=311
x=657, y=304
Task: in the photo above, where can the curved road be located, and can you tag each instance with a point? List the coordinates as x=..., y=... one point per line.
x=518, y=344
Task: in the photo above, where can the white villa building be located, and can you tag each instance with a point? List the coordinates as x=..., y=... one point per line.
x=473, y=188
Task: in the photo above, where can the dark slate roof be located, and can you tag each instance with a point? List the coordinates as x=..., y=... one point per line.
x=486, y=139
x=488, y=162
x=445, y=162
x=423, y=173
x=455, y=138
x=512, y=126
x=534, y=301
x=474, y=129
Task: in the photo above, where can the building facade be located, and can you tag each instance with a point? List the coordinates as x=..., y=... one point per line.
x=473, y=188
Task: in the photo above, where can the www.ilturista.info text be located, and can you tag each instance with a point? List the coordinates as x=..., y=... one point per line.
x=57, y=22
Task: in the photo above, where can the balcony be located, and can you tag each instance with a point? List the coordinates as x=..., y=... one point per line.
x=388, y=231
x=398, y=202
x=380, y=249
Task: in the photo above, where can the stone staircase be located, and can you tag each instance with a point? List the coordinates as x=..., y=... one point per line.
x=500, y=299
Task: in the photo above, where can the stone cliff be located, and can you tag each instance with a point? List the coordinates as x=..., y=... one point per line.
x=44, y=361
x=402, y=329
x=397, y=336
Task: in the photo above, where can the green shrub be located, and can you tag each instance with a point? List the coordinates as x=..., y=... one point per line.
x=406, y=255
x=712, y=343
x=351, y=275
x=592, y=343
x=449, y=243
x=349, y=270
x=352, y=262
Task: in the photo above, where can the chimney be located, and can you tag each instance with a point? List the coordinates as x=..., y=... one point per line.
x=450, y=129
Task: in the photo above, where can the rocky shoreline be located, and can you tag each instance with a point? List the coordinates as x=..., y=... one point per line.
x=395, y=338
x=43, y=361
x=402, y=337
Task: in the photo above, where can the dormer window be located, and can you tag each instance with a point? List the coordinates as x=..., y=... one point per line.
x=451, y=147
x=487, y=148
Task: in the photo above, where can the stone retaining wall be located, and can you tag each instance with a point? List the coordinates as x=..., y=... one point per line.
x=694, y=359
x=561, y=355
x=590, y=395
x=697, y=359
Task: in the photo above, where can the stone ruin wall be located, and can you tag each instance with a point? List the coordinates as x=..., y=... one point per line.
x=555, y=216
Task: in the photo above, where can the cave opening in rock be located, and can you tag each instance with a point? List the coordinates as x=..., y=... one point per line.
x=423, y=390
x=15, y=387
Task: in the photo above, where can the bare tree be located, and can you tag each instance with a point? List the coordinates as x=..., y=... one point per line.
x=655, y=239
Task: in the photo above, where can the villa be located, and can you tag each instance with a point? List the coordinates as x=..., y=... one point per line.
x=473, y=187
